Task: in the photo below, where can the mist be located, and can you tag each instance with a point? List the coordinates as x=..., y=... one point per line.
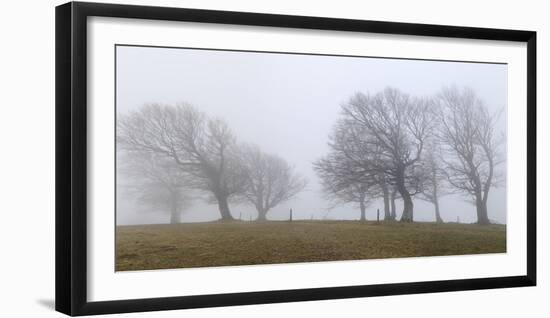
x=288, y=104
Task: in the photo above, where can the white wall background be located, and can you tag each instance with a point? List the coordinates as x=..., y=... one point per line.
x=27, y=158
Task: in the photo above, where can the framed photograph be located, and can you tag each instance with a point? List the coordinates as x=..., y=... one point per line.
x=213, y=158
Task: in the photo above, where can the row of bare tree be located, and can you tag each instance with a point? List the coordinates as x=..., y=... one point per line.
x=391, y=145
x=169, y=150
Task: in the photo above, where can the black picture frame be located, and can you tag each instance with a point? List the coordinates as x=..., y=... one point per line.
x=71, y=157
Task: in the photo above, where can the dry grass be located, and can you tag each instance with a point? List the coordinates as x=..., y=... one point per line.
x=244, y=243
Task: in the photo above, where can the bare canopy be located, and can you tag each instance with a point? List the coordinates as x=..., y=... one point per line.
x=270, y=180
x=204, y=148
x=345, y=173
x=396, y=127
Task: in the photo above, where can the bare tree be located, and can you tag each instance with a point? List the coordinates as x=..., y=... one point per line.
x=346, y=172
x=202, y=147
x=340, y=191
x=467, y=131
x=157, y=182
x=433, y=187
x=270, y=180
x=353, y=165
x=397, y=126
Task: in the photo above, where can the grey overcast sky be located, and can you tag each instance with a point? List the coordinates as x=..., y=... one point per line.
x=288, y=104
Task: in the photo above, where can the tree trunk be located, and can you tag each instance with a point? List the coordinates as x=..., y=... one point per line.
x=175, y=217
x=481, y=207
x=363, y=208
x=393, y=214
x=435, y=196
x=407, y=207
x=386, y=193
x=223, y=206
x=438, y=218
x=174, y=211
x=407, y=215
x=262, y=214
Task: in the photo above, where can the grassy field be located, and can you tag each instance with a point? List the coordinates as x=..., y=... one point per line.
x=242, y=243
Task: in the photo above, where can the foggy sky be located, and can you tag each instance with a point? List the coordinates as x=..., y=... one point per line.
x=288, y=104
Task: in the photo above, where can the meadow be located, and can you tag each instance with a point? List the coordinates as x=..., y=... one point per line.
x=146, y=247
